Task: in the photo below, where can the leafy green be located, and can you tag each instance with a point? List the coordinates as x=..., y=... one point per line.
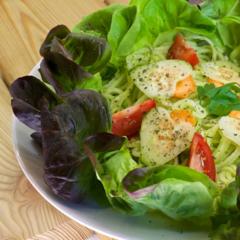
x=177, y=191
x=165, y=16
x=63, y=74
x=30, y=96
x=122, y=24
x=168, y=15
x=93, y=83
x=179, y=199
x=219, y=101
x=91, y=52
x=144, y=177
x=98, y=23
x=218, y=9
x=70, y=59
x=112, y=161
x=59, y=32
x=130, y=28
x=226, y=220
x=226, y=17
x=67, y=170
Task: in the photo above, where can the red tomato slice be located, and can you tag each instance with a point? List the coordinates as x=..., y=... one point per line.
x=201, y=158
x=180, y=50
x=128, y=121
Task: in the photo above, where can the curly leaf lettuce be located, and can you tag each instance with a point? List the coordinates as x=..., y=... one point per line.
x=73, y=60
x=67, y=170
x=30, y=96
x=61, y=124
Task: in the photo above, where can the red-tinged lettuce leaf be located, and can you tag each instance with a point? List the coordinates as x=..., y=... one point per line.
x=73, y=60
x=37, y=137
x=58, y=32
x=102, y=142
x=68, y=171
x=91, y=52
x=62, y=73
x=30, y=95
x=27, y=114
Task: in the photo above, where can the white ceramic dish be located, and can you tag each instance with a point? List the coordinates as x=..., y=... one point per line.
x=103, y=220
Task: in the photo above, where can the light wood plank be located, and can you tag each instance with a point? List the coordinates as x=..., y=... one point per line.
x=66, y=231
x=24, y=25
x=69, y=231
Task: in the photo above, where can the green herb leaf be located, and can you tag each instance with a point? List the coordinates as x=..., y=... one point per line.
x=220, y=101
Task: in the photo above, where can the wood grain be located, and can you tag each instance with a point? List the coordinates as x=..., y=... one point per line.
x=69, y=231
x=24, y=25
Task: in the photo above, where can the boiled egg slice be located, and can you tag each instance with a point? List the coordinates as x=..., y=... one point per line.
x=220, y=73
x=165, y=79
x=165, y=135
x=230, y=128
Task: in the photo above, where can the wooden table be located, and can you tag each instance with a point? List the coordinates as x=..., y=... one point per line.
x=24, y=214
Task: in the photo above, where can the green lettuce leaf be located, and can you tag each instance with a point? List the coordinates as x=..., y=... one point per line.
x=144, y=177
x=112, y=162
x=218, y=9
x=177, y=191
x=130, y=28
x=225, y=223
x=226, y=17
x=98, y=23
x=178, y=199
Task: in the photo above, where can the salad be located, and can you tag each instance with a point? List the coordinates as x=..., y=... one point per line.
x=139, y=106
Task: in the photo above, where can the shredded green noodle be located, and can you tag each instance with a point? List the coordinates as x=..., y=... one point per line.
x=226, y=153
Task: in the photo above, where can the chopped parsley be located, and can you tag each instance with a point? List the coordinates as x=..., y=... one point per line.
x=219, y=101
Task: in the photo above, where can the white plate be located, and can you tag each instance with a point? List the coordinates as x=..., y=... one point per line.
x=103, y=220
